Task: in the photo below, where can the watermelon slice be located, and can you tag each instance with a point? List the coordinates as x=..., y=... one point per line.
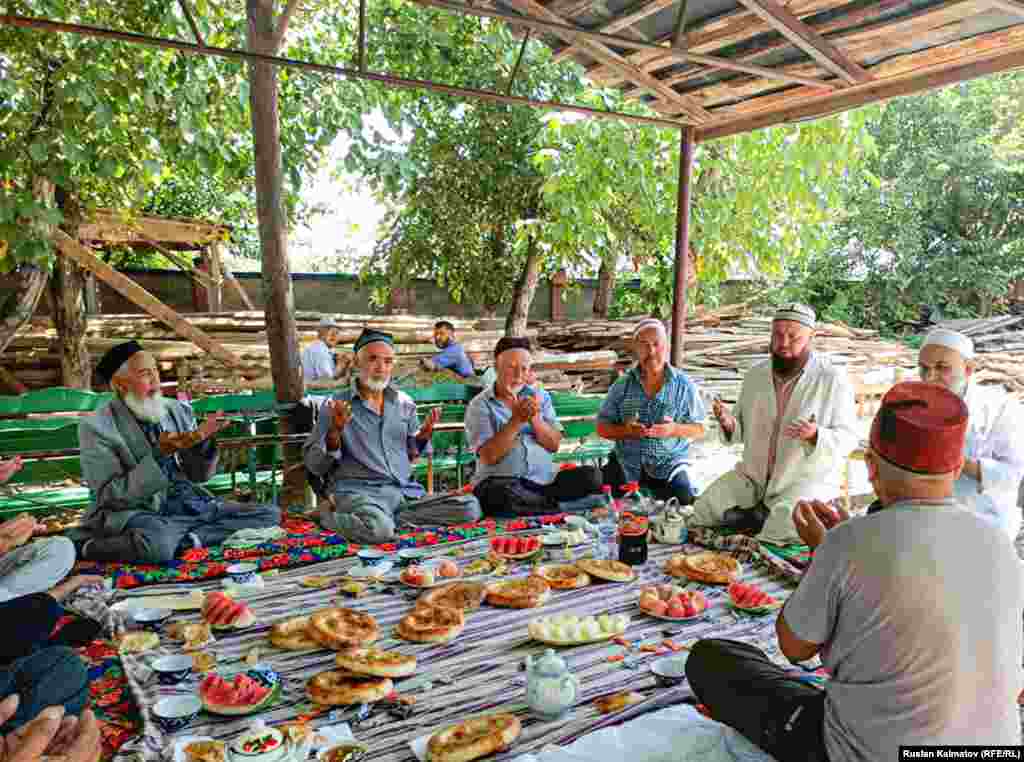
x=222, y=611
x=245, y=694
x=751, y=598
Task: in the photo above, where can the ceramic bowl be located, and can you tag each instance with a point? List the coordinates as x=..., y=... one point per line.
x=371, y=556
x=408, y=556
x=265, y=745
x=151, y=619
x=669, y=670
x=174, y=713
x=242, y=574
x=171, y=670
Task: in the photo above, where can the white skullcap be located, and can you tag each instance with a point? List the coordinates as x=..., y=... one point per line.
x=798, y=313
x=328, y=322
x=943, y=337
x=646, y=323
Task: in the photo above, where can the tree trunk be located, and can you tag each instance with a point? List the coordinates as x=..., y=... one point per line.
x=279, y=303
x=67, y=295
x=605, y=284
x=522, y=297
x=18, y=306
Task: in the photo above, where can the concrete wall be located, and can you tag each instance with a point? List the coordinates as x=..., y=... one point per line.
x=320, y=292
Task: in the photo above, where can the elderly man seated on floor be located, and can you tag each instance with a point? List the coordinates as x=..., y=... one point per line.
x=796, y=418
x=651, y=413
x=915, y=611
x=513, y=429
x=363, y=448
x=142, y=456
x=994, y=451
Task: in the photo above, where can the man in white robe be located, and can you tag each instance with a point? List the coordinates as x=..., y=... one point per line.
x=796, y=418
x=994, y=451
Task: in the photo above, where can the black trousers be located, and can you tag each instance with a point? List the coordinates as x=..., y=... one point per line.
x=501, y=496
x=679, y=488
x=743, y=689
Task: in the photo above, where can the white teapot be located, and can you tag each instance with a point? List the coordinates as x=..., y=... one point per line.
x=670, y=526
x=550, y=688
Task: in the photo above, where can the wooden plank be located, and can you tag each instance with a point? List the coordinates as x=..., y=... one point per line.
x=688, y=106
x=132, y=291
x=805, y=38
x=242, y=294
x=108, y=226
x=619, y=23
x=1000, y=58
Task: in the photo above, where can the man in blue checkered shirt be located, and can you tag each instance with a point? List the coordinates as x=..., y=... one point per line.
x=652, y=413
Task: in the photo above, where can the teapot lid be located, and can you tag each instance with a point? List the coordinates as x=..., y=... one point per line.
x=550, y=664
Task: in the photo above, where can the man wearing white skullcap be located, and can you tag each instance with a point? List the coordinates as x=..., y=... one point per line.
x=796, y=417
x=994, y=451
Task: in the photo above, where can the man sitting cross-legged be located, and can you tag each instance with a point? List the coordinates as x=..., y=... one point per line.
x=366, y=440
x=513, y=430
x=915, y=611
x=141, y=456
x=796, y=417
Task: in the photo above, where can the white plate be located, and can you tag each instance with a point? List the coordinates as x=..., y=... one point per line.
x=178, y=750
x=554, y=541
x=173, y=602
x=437, y=581
x=366, y=572
x=673, y=618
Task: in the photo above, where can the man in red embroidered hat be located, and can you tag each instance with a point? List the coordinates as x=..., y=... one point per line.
x=915, y=611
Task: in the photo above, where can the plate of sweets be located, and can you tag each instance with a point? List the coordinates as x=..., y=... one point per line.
x=430, y=575
x=751, y=599
x=672, y=603
x=515, y=548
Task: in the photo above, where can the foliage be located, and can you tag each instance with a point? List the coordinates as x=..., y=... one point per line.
x=936, y=217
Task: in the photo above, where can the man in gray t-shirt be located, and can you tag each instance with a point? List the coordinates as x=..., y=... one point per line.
x=915, y=611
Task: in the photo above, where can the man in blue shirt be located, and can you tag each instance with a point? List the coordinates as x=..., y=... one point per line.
x=365, y=442
x=652, y=413
x=513, y=429
x=452, y=356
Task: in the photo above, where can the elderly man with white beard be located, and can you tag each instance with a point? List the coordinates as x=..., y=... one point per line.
x=142, y=457
x=363, y=447
x=994, y=450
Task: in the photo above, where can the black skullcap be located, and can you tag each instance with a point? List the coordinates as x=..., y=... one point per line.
x=511, y=342
x=445, y=324
x=115, y=357
x=370, y=335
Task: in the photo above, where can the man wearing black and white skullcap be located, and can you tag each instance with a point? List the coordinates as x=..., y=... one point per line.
x=796, y=419
x=144, y=457
x=994, y=450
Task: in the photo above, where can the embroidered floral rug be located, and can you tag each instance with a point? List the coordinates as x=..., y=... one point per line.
x=305, y=544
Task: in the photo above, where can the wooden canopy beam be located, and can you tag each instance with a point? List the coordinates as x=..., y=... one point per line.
x=687, y=105
x=139, y=296
x=809, y=41
x=714, y=62
x=643, y=10
x=852, y=97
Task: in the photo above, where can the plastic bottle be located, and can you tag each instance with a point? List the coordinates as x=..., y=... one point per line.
x=608, y=527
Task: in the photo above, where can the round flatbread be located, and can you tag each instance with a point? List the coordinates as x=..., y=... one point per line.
x=293, y=635
x=376, y=662
x=431, y=624
x=465, y=596
x=707, y=567
x=337, y=688
x=474, y=738
x=562, y=576
x=340, y=628
x=525, y=593
x=607, y=569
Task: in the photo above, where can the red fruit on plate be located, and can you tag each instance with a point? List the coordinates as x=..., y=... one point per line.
x=495, y=543
x=689, y=609
x=534, y=543
x=676, y=609
x=521, y=546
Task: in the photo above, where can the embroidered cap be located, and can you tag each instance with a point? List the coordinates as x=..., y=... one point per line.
x=797, y=313
x=115, y=357
x=371, y=335
x=943, y=337
x=506, y=343
x=920, y=428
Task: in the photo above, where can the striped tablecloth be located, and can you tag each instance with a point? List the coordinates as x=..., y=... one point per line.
x=480, y=671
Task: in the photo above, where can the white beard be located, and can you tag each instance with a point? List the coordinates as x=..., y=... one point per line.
x=374, y=385
x=148, y=409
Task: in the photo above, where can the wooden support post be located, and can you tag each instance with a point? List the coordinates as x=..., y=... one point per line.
x=686, y=151
x=137, y=295
x=213, y=291
x=558, y=282
x=242, y=294
x=92, y=297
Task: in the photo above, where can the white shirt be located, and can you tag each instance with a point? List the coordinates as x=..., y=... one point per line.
x=317, y=361
x=995, y=438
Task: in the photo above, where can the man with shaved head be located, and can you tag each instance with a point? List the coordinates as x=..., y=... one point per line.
x=796, y=418
x=994, y=450
x=652, y=413
x=143, y=458
x=367, y=438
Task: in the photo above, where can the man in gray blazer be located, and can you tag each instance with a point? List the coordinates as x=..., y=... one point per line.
x=142, y=457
